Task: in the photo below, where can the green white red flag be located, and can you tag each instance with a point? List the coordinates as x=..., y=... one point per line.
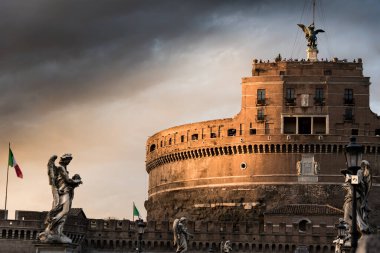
x=12, y=162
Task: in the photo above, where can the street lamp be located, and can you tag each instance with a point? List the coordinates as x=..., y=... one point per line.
x=353, y=153
x=140, y=230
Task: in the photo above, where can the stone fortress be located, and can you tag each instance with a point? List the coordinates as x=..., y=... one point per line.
x=267, y=179
x=285, y=146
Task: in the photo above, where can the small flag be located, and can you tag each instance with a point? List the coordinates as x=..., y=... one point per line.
x=135, y=211
x=12, y=162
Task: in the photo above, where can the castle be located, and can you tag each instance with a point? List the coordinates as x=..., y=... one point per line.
x=285, y=146
x=267, y=179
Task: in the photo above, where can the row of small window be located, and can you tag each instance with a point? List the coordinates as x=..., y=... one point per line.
x=195, y=137
x=290, y=97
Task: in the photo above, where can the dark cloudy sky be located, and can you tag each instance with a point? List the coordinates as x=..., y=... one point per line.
x=97, y=78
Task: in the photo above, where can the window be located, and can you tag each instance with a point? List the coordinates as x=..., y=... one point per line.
x=290, y=125
x=319, y=125
x=182, y=138
x=377, y=132
x=231, y=132
x=260, y=114
x=354, y=131
x=282, y=73
x=194, y=137
x=348, y=115
x=170, y=141
x=213, y=135
x=93, y=224
x=319, y=99
x=261, y=97
x=152, y=147
x=348, y=96
x=327, y=72
x=161, y=144
x=290, y=98
x=302, y=225
x=252, y=131
x=304, y=125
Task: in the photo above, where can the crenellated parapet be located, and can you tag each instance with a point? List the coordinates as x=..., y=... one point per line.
x=295, y=119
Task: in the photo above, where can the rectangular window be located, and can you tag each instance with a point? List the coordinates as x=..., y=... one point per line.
x=182, y=138
x=231, y=132
x=348, y=115
x=348, y=96
x=194, y=137
x=377, y=132
x=213, y=135
x=252, y=131
x=354, y=131
x=290, y=98
x=260, y=114
x=261, y=97
x=319, y=125
x=290, y=125
x=327, y=72
x=319, y=97
x=304, y=125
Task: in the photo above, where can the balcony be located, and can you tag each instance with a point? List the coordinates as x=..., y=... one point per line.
x=349, y=101
x=290, y=101
x=319, y=101
x=261, y=102
x=260, y=118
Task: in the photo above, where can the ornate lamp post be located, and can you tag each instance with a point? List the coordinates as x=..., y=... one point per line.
x=353, y=153
x=140, y=230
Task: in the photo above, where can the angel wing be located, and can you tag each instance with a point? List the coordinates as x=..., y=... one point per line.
x=319, y=31
x=52, y=170
x=304, y=28
x=368, y=180
x=175, y=231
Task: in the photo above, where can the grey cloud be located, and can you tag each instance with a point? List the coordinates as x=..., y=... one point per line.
x=79, y=49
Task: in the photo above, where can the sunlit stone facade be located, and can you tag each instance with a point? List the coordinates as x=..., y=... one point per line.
x=285, y=146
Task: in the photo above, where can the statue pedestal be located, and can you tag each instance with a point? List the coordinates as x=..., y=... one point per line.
x=312, y=54
x=55, y=248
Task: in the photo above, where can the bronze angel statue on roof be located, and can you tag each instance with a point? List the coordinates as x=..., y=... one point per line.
x=311, y=35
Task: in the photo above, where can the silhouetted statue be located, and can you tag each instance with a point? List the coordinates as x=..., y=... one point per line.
x=362, y=192
x=181, y=236
x=63, y=194
x=225, y=247
x=311, y=35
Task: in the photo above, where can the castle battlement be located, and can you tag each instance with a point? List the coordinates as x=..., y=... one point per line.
x=296, y=118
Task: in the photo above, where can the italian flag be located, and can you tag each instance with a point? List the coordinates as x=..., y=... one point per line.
x=12, y=162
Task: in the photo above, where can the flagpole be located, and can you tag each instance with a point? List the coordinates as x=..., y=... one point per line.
x=6, y=188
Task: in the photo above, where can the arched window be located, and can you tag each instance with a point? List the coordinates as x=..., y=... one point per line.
x=302, y=225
